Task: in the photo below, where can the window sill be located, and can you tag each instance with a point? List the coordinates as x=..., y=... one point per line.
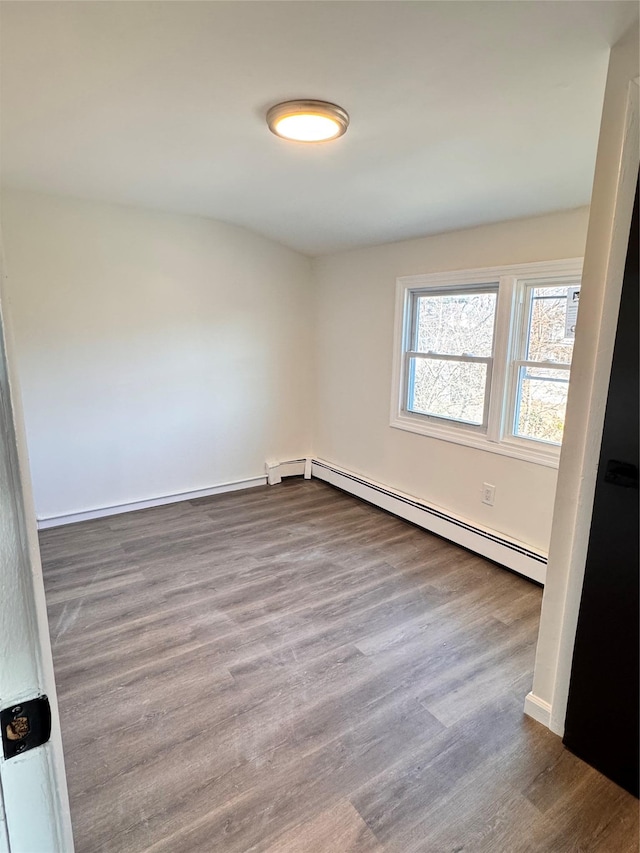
x=548, y=456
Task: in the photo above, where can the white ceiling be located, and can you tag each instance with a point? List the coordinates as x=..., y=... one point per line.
x=461, y=113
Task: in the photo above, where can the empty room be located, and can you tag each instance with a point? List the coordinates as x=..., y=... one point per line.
x=319, y=411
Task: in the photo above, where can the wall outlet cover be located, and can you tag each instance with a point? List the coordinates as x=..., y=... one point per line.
x=488, y=494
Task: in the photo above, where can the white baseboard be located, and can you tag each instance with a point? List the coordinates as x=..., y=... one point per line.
x=495, y=546
x=538, y=709
x=101, y=512
x=514, y=555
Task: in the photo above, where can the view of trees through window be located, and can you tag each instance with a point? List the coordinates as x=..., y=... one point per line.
x=458, y=326
x=451, y=356
x=542, y=391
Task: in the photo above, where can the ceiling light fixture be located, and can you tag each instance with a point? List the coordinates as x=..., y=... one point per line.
x=307, y=121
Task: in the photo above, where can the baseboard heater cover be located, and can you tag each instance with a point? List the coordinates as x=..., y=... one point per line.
x=509, y=553
x=291, y=468
x=493, y=546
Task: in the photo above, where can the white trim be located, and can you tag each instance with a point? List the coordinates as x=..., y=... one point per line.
x=489, y=275
x=501, y=356
x=272, y=467
x=116, y=509
x=457, y=435
x=275, y=470
x=4, y=834
x=39, y=819
x=537, y=709
x=488, y=543
x=496, y=439
x=614, y=188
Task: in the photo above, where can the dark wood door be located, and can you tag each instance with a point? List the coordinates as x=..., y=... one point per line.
x=602, y=722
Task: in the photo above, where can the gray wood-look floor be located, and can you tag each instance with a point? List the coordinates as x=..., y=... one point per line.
x=289, y=669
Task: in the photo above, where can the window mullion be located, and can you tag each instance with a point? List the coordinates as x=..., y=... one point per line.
x=519, y=336
x=501, y=352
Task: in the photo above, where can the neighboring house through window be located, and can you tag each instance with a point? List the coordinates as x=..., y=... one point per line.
x=483, y=357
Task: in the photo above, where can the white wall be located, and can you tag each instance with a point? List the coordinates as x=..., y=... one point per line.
x=157, y=353
x=611, y=210
x=160, y=354
x=354, y=308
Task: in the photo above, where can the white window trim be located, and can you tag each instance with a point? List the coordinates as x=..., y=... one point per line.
x=495, y=440
x=408, y=353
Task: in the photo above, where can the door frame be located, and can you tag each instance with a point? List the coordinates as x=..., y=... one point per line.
x=614, y=189
x=34, y=802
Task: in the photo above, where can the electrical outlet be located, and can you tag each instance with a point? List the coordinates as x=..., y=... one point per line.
x=488, y=494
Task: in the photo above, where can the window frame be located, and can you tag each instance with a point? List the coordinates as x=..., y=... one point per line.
x=521, y=328
x=511, y=281
x=414, y=295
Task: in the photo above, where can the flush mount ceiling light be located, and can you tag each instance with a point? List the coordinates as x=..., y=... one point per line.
x=307, y=121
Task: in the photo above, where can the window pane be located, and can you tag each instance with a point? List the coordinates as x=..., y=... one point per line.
x=448, y=389
x=456, y=323
x=541, y=403
x=546, y=339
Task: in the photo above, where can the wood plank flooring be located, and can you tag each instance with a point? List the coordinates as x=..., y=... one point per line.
x=289, y=670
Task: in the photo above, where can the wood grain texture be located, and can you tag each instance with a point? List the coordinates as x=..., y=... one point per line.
x=289, y=670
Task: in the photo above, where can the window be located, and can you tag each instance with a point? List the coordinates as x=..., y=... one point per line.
x=543, y=361
x=483, y=357
x=450, y=361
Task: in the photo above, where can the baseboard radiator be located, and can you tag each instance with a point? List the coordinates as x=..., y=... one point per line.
x=494, y=546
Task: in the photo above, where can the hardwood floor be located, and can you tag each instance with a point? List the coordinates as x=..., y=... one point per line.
x=289, y=670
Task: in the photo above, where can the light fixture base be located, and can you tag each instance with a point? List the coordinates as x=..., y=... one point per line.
x=307, y=120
